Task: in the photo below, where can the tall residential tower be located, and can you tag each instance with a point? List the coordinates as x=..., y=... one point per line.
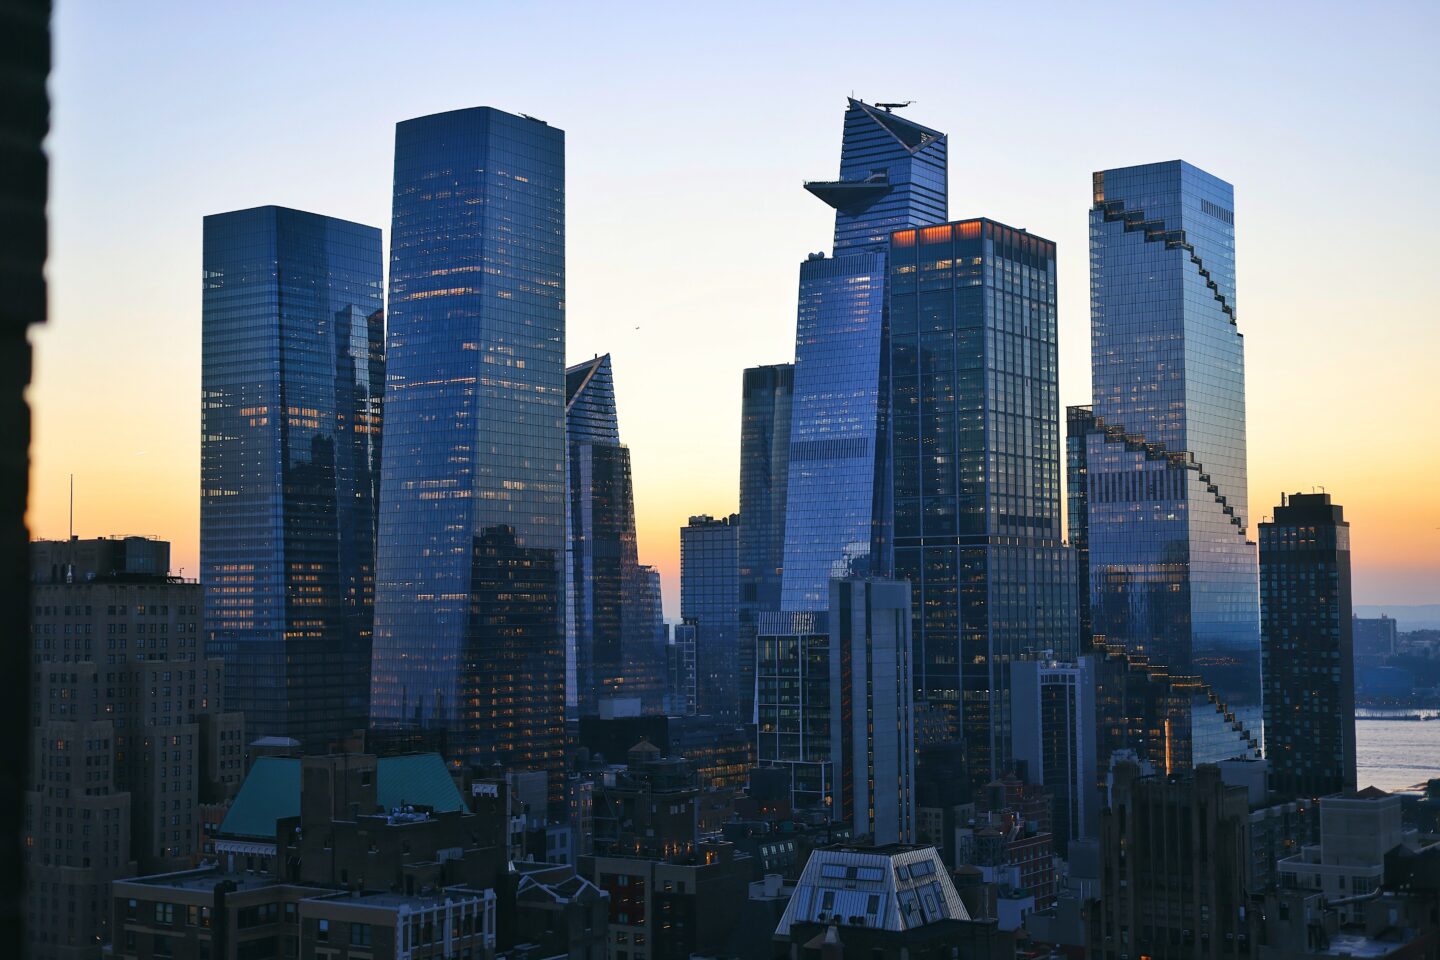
x=1308, y=647
x=470, y=588
x=292, y=378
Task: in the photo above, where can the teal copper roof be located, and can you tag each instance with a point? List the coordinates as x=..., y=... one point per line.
x=271, y=791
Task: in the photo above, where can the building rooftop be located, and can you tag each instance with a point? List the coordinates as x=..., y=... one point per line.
x=271, y=791
x=894, y=887
x=395, y=901
x=1348, y=943
x=554, y=883
x=202, y=879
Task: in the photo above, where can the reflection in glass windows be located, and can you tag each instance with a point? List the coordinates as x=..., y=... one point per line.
x=892, y=175
x=1172, y=575
x=292, y=379
x=976, y=448
x=470, y=595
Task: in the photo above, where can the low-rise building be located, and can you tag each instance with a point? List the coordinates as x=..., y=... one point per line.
x=661, y=909
x=245, y=840
x=343, y=877
x=1357, y=831
x=885, y=902
x=209, y=914
x=454, y=924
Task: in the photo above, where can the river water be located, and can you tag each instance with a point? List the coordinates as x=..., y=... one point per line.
x=1396, y=754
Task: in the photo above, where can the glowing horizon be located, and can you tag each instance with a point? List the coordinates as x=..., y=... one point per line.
x=687, y=221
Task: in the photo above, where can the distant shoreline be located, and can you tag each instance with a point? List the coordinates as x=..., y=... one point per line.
x=1398, y=713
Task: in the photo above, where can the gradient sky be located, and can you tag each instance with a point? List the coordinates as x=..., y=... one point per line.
x=689, y=130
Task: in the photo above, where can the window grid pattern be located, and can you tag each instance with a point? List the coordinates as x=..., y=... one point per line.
x=764, y=476
x=1171, y=574
x=974, y=388
x=292, y=380
x=470, y=599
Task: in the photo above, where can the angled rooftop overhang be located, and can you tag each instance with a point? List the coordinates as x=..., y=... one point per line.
x=849, y=195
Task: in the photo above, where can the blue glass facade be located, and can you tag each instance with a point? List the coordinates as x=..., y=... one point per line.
x=976, y=452
x=1172, y=575
x=892, y=175
x=764, y=473
x=470, y=595
x=614, y=651
x=292, y=379
x=709, y=601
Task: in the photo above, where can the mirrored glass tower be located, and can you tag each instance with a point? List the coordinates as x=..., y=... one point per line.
x=470, y=594
x=1172, y=572
x=892, y=176
x=974, y=380
x=292, y=373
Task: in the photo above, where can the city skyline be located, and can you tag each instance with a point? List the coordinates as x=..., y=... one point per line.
x=137, y=462
x=467, y=501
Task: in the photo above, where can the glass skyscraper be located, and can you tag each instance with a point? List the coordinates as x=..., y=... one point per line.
x=613, y=642
x=709, y=600
x=470, y=594
x=1172, y=574
x=976, y=449
x=764, y=472
x=292, y=380
x=892, y=176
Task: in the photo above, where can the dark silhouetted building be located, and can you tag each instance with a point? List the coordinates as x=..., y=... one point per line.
x=721, y=750
x=1309, y=660
x=128, y=738
x=648, y=809
x=614, y=649
x=24, y=123
x=366, y=859
x=470, y=572
x=1374, y=637
x=292, y=382
x=1173, y=867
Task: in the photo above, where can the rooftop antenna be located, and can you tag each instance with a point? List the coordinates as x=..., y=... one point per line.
x=72, y=506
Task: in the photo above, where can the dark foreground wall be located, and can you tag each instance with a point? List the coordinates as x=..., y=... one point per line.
x=24, y=120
